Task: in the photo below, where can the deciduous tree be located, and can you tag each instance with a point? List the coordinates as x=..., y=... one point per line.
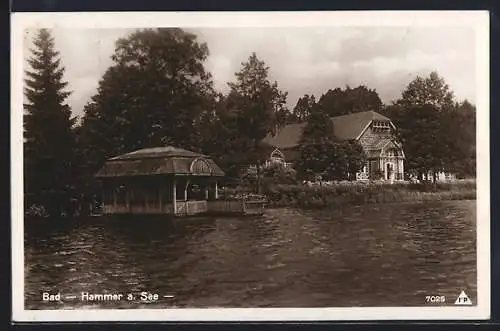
x=338, y=101
x=431, y=90
x=322, y=154
x=156, y=93
x=424, y=140
x=437, y=133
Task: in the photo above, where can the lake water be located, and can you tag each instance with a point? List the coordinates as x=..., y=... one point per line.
x=374, y=255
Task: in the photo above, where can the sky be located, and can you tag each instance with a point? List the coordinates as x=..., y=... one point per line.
x=303, y=60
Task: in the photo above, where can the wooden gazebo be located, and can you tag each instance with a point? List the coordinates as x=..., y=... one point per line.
x=160, y=180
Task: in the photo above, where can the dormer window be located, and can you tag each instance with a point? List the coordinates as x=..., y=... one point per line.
x=381, y=125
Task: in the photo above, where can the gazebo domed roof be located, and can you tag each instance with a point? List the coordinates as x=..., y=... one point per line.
x=166, y=160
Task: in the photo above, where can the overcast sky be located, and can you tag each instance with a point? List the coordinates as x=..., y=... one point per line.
x=303, y=60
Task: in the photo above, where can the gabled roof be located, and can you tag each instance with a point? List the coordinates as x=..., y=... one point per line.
x=350, y=126
x=287, y=137
x=345, y=127
x=160, y=161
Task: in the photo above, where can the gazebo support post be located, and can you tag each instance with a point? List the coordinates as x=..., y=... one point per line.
x=160, y=203
x=127, y=198
x=174, y=198
x=186, y=190
x=114, y=198
x=186, y=197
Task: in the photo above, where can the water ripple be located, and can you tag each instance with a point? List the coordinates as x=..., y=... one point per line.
x=377, y=255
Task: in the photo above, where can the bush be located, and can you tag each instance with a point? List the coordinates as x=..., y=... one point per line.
x=36, y=211
x=376, y=175
x=278, y=174
x=296, y=195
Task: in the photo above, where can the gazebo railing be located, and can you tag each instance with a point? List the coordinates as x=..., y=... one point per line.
x=191, y=207
x=236, y=206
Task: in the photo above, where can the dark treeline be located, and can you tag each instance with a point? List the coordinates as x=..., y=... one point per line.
x=157, y=92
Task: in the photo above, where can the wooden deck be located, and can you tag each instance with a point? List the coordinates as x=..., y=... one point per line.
x=191, y=208
x=241, y=207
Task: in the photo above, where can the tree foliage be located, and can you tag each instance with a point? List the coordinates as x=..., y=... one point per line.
x=355, y=158
x=279, y=174
x=462, y=136
x=431, y=90
x=318, y=125
x=259, y=108
x=302, y=109
x=322, y=154
x=425, y=144
x=156, y=93
x=223, y=139
x=438, y=134
x=260, y=104
x=338, y=101
x=49, y=142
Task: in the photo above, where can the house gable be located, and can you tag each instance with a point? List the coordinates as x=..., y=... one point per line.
x=392, y=145
x=373, y=137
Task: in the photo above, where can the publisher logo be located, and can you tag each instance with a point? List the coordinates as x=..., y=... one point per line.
x=463, y=299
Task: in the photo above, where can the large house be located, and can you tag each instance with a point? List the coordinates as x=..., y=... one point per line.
x=374, y=132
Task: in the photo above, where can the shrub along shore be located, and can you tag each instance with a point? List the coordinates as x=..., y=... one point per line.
x=354, y=193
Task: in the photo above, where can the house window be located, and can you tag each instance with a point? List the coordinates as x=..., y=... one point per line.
x=390, y=153
x=381, y=125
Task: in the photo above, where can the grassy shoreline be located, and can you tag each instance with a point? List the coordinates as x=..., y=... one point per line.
x=354, y=193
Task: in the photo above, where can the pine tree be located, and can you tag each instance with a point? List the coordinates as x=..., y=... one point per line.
x=48, y=136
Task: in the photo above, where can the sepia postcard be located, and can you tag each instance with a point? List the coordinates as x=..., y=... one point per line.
x=250, y=166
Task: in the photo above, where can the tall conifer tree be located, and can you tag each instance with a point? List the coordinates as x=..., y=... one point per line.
x=49, y=144
x=261, y=108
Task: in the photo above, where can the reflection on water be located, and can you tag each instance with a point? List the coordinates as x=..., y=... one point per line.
x=375, y=255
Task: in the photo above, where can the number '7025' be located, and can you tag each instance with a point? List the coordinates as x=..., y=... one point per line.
x=435, y=298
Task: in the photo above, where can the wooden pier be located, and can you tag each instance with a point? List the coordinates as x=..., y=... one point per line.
x=191, y=208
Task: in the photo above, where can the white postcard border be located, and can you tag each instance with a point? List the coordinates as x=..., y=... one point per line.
x=479, y=20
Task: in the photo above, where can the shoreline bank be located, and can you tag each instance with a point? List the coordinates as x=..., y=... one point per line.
x=313, y=197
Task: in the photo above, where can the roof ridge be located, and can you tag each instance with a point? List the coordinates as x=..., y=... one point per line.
x=358, y=113
x=158, y=152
